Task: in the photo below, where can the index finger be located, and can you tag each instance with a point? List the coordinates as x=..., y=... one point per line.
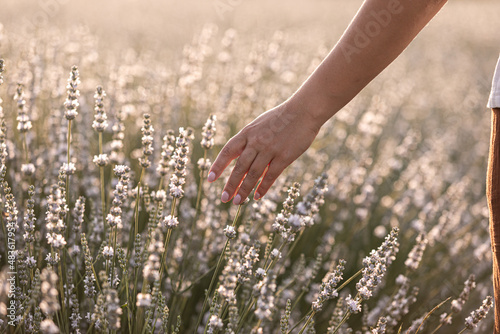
x=233, y=149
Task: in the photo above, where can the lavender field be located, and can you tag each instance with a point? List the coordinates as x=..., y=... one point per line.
x=112, y=113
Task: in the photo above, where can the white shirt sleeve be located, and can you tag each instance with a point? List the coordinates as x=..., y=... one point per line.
x=494, y=100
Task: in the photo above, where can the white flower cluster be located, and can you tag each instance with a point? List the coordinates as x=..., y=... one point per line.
x=167, y=150
x=28, y=169
x=68, y=168
x=328, y=289
x=89, y=279
x=353, y=304
x=113, y=309
x=24, y=124
x=208, y=134
x=181, y=159
x=381, y=326
x=101, y=160
x=116, y=156
x=416, y=253
x=170, y=222
x=310, y=205
x=214, y=324
x=48, y=326
x=477, y=315
x=143, y=300
x=119, y=195
x=246, y=264
x=107, y=252
x=56, y=240
x=54, y=218
x=2, y=68
x=401, y=302
x=100, y=119
x=281, y=224
x=265, y=302
x=457, y=304
x=30, y=218
x=230, y=232
x=375, y=265
x=50, y=301
x=229, y=278
x=71, y=104
x=151, y=270
x=147, y=141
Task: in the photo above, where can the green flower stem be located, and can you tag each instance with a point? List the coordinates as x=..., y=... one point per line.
x=299, y=322
x=307, y=322
x=155, y=213
x=167, y=241
x=129, y=317
x=137, y=203
x=68, y=227
x=103, y=192
x=214, y=276
x=245, y=314
x=200, y=187
x=114, y=253
x=344, y=319
x=61, y=287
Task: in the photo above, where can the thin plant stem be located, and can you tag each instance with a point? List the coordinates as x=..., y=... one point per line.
x=245, y=314
x=101, y=176
x=302, y=293
x=128, y=306
x=432, y=311
x=307, y=322
x=61, y=287
x=200, y=187
x=445, y=320
x=350, y=279
x=114, y=254
x=67, y=177
x=214, y=276
x=137, y=202
x=196, y=281
x=299, y=322
x=155, y=212
x=344, y=319
x=167, y=241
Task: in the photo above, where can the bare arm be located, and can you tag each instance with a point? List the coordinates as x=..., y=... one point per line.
x=379, y=32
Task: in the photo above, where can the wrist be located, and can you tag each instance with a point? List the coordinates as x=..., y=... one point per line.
x=314, y=104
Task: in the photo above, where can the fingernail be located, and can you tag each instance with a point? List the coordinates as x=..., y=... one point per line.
x=256, y=196
x=237, y=199
x=211, y=177
x=225, y=197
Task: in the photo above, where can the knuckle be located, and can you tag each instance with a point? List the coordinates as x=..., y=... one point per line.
x=247, y=185
x=253, y=175
x=232, y=183
x=244, y=190
x=239, y=169
x=226, y=152
x=270, y=177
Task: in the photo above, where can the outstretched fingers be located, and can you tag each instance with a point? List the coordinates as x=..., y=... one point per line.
x=233, y=148
x=241, y=168
x=253, y=175
x=273, y=171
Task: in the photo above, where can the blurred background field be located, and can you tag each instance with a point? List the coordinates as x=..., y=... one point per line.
x=409, y=151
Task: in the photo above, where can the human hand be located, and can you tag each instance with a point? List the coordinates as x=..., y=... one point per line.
x=265, y=147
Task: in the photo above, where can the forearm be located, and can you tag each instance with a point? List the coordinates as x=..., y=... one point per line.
x=379, y=32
